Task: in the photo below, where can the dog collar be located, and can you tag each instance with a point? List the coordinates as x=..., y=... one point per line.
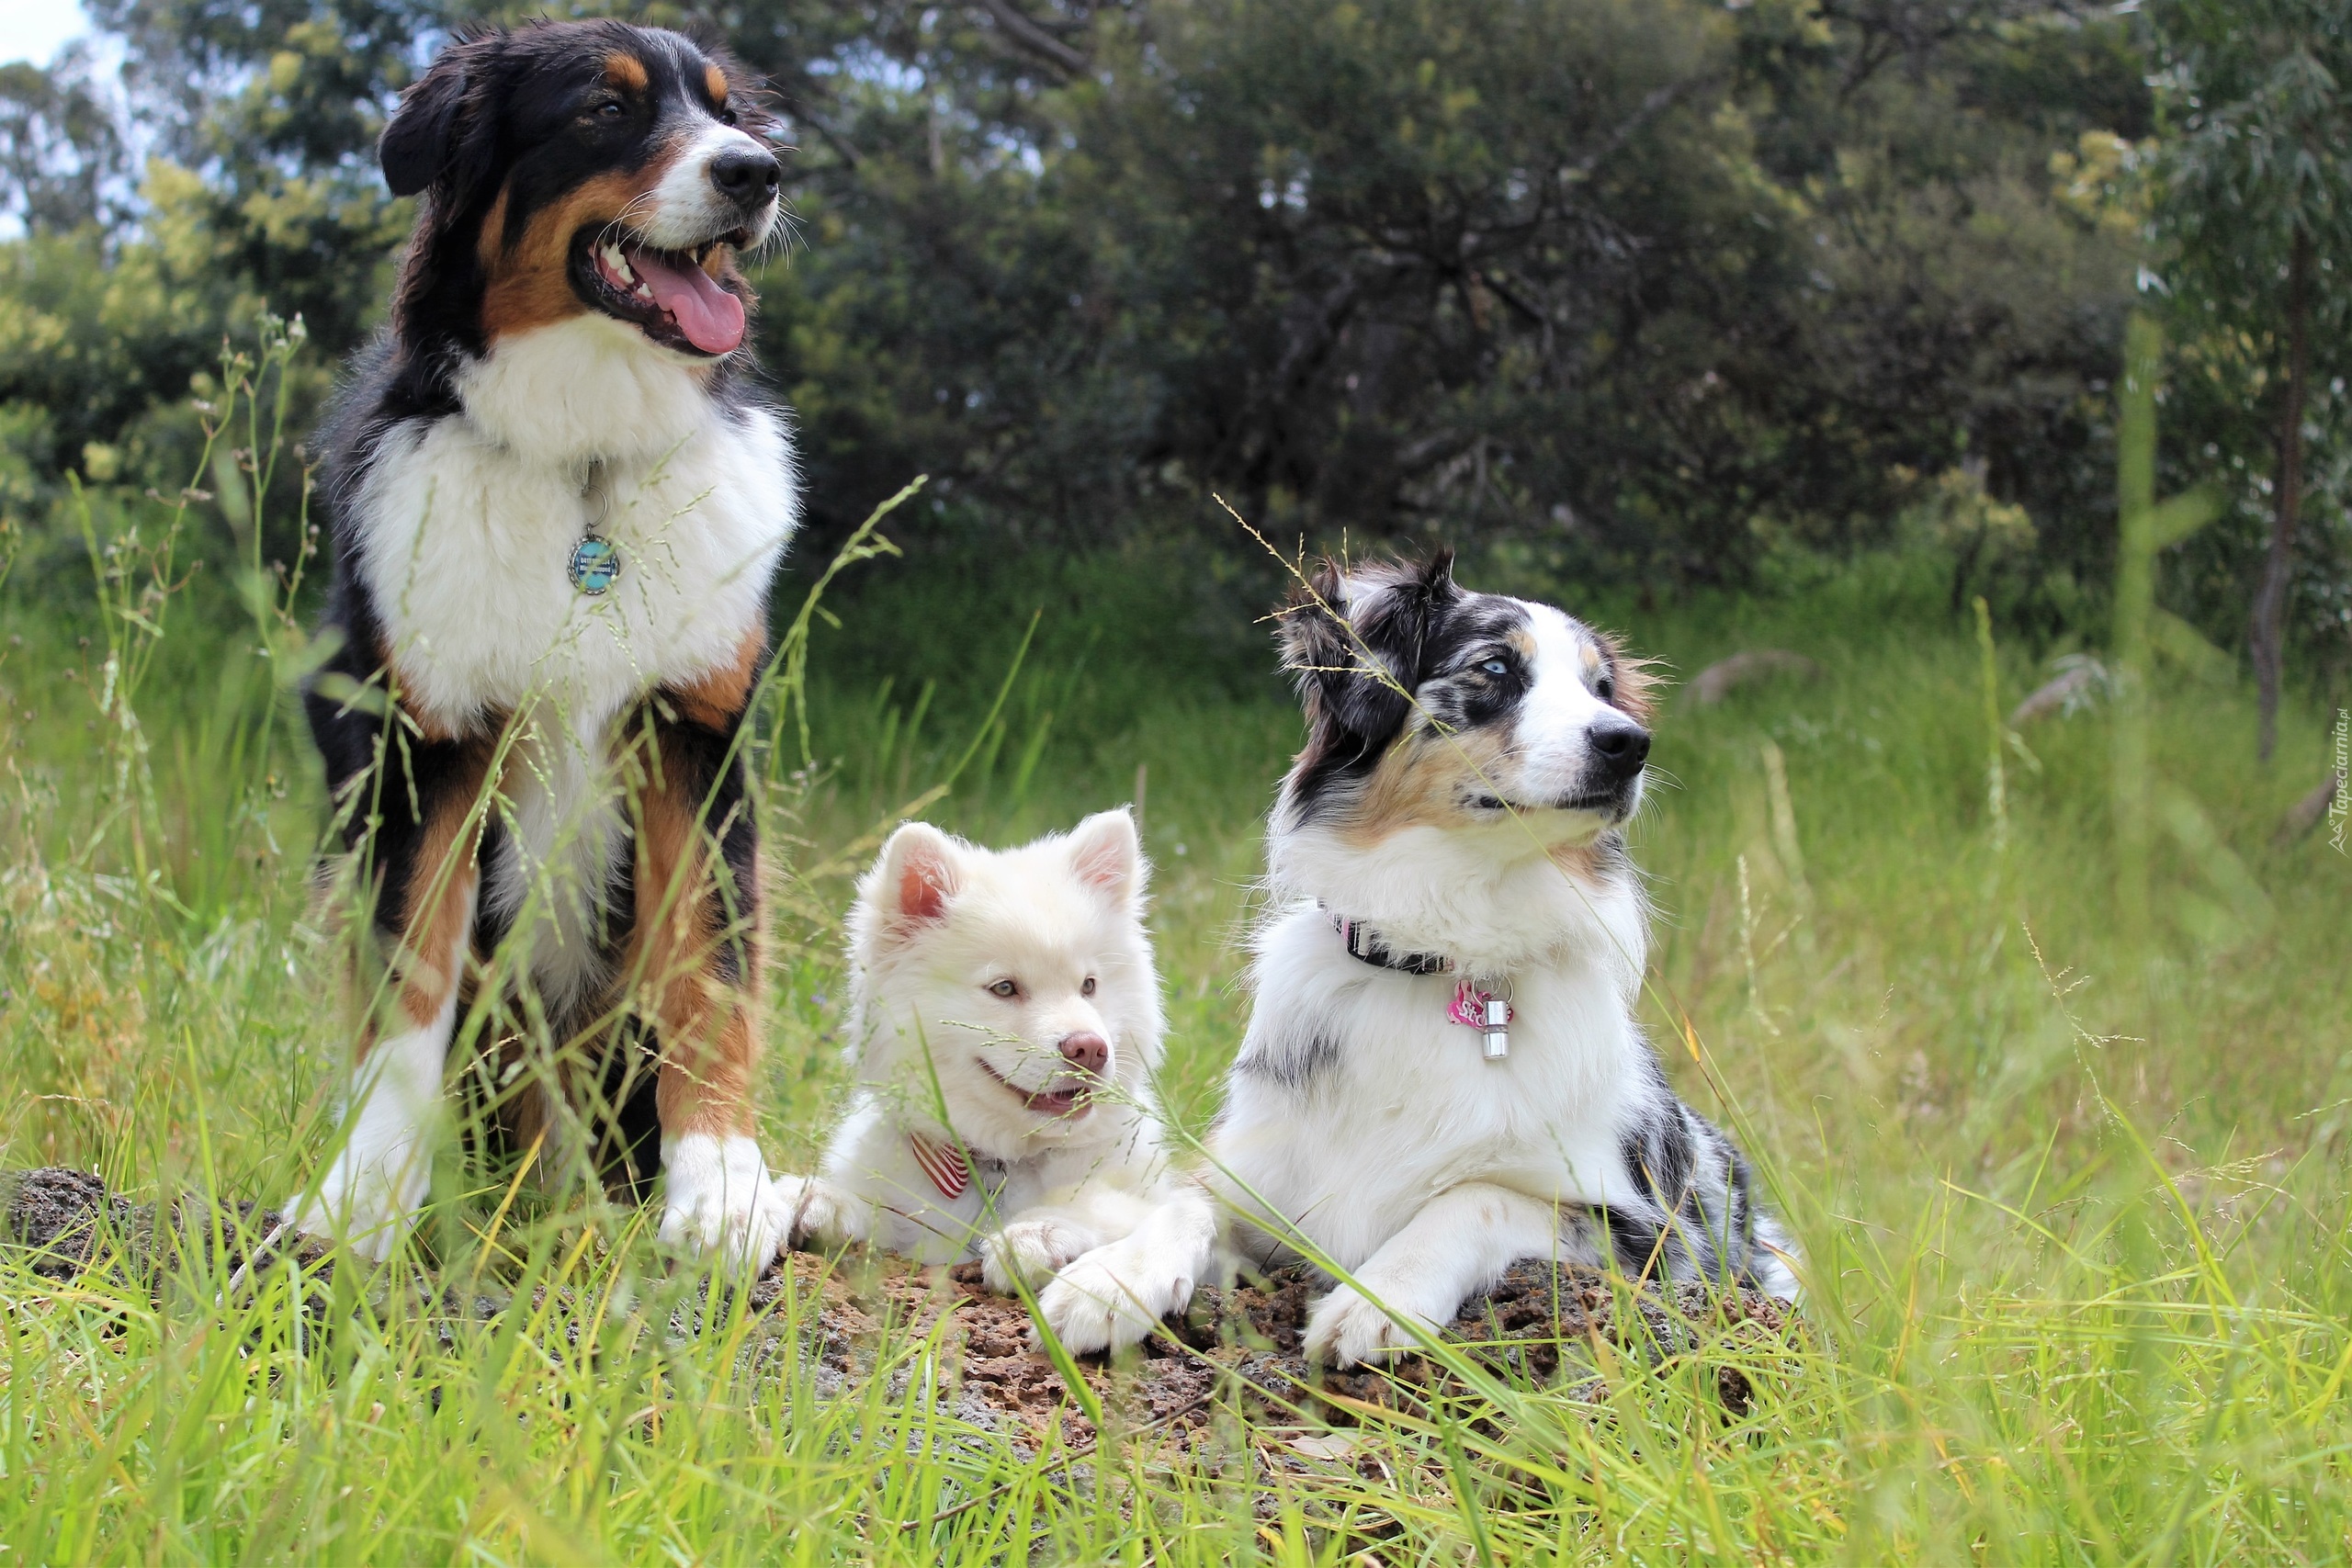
x=1473, y=1006
x=1366, y=948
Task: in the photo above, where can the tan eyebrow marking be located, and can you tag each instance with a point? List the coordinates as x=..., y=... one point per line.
x=1523, y=640
x=1591, y=658
x=623, y=70
x=715, y=80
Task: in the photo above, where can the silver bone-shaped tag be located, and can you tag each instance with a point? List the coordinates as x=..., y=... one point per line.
x=1496, y=1024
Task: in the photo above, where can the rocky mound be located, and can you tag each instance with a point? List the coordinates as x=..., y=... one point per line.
x=1246, y=1339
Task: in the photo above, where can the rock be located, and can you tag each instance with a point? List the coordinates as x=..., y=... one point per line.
x=2306, y=814
x=71, y=1222
x=59, y=1213
x=1719, y=680
x=2081, y=680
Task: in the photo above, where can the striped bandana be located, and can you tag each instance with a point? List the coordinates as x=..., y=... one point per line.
x=943, y=1163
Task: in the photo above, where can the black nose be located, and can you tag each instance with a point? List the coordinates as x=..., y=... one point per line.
x=1620, y=746
x=747, y=179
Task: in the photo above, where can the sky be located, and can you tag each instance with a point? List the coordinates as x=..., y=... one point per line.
x=35, y=29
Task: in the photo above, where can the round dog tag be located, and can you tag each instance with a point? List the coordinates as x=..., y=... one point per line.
x=595, y=565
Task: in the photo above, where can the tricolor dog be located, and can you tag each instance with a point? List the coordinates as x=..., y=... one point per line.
x=1005, y=1020
x=556, y=503
x=1442, y=1071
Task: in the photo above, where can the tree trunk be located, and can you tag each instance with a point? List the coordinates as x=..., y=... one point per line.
x=2269, y=633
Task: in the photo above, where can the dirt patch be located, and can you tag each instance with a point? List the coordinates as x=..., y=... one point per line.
x=1241, y=1344
x=63, y=1216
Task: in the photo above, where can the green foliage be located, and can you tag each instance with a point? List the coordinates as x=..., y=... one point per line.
x=2255, y=172
x=2079, y=1273
x=2070, y=1179
x=59, y=146
x=1667, y=293
x=1659, y=287
x=2261, y=133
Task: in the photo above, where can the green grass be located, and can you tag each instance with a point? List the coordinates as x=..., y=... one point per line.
x=2074, y=1208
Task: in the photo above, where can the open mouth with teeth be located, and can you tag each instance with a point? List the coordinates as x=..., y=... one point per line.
x=1071, y=1099
x=670, y=295
x=1605, y=803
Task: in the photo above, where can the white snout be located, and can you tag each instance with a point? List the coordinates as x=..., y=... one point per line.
x=1059, y=1023
x=686, y=209
x=1551, y=744
x=1034, y=1059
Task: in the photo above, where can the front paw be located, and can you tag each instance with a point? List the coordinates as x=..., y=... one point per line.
x=817, y=1211
x=359, y=1202
x=1346, y=1329
x=1111, y=1298
x=720, y=1199
x=1030, y=1251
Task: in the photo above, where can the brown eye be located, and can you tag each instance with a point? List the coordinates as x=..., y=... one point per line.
x=1605, y=689
x=1087, y=987
x=1005, y=988
x=729, y=117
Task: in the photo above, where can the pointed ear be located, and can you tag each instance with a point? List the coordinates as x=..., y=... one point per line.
x=439, y=134
x=1106, y=854
x=920, y=873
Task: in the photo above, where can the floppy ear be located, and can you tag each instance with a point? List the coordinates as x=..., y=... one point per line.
x=437, y=135
x=918, y=876
x=1638, y=681
x=1398, y=614
x=1106, y=854
x=1358, y=645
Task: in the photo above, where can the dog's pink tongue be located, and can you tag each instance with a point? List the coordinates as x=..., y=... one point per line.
x=711, y=318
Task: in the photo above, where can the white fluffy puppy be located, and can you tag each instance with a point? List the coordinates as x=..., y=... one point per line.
x=1004, y=1022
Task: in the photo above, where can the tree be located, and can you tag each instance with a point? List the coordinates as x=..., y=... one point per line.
x=59, y=145
x=1658, y=291
x=2254, y=201
x=1659, y=287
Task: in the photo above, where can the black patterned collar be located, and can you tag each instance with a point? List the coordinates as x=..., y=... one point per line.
x=1366, y=948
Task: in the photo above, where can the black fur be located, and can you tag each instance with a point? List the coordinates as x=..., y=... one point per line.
x=1383, y=653
x=493, y=113
x=1700, y=1222
x=499, y=117
x=1375, y=648
x=500, y=110
x=1359, y=648
x=1292, y=1064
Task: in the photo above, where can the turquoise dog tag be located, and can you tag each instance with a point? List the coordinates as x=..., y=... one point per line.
x=595, y=565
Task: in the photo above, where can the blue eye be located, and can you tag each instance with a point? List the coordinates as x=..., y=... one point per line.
x=1495, y=667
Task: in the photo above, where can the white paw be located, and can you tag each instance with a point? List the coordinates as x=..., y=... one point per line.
x=1345, y=1329
x=720, y=1199
x=1030, y=1251
x=1111, y=1297
x=363, y=1205
x=815, y=1208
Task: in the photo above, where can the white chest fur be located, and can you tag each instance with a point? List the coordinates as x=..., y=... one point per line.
x=469, y=521
x=1381, y=1102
